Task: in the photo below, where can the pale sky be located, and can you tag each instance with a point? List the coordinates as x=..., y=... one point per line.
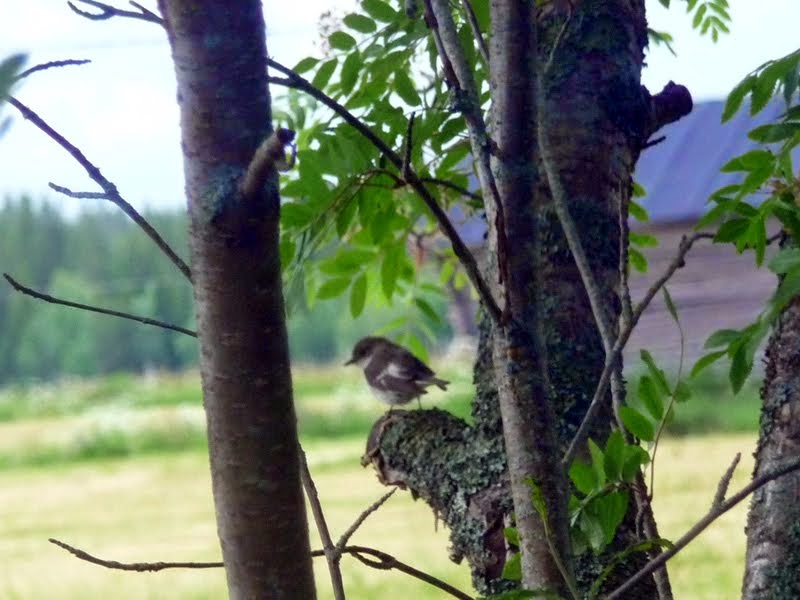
x=121, y=110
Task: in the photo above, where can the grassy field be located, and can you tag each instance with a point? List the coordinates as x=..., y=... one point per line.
x=117, y=466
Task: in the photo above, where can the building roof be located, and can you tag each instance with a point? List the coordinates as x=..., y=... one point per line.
x=681, y=172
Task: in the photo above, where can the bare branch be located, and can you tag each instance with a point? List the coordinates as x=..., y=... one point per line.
x=455, y=187
x=713, y=514
x=332, y=555
x=725, y=482
x=476, y=32
x=108, y=188
x=622, y=339
x=81, y=195
x=361, y=518
x=51, y=65
x=463, y=253
x=384, y=561
x=105, y=311
x=139, y=567
x=462, y=82
x=107, y=12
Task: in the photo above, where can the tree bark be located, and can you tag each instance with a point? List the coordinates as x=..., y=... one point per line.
x=772, y=562
x=220, y=55
x=519, y=354
x=598, y=118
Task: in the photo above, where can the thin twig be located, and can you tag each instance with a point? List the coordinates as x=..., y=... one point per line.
x=453, y=186
x=383, y=561
x=107, y=12
x=386, y=562
x=462, y=83
x=361, y=518
x=109, y=188
x=105, y=311
x=477, y=33
x=331, y=554
x=725, y=481
x=672, y=399
x=80, y=195
x=408, y=148
x=51, y=65
x=622, y=339
x=140, y=567
x=713, y=514
x=460, y=249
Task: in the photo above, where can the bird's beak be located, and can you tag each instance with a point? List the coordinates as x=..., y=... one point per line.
x=349, y=362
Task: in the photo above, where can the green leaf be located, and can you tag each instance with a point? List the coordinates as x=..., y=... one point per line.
x=682, y=391
x=637, y=424
x=788, y=288
x=773, y=132
x=610, y=509
x=390, y=271
x=583, y=477
x=323, y=74
x=637, y=260
x=650, y=398
x=380, y=11
x=333, y=288
x=305, y=64
x=635, y=458
x=731, y=231
x=785, y=260
x=427, y=310
x=598, y=462
x=341, y=40
x=296, y=215
x=722, y=337
x=736, y=97
x=643, y=240
x=656, y=373
x=614, y=456
x=286, y=250
x=593, y=529
x=513, y=568
x=358, y=295
x=405, y=88
x=741, y=365
x=9, y=69
x=351, y=69
x=638, y=211
x=360, y=23
x=753, y=160
x=670, y=305
x=707, y=360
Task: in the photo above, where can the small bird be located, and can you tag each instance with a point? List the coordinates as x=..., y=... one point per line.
x=394, y=375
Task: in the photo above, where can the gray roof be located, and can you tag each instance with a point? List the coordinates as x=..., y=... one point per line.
x=681, y=172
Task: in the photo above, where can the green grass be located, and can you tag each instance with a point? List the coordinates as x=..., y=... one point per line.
x=150, y=508
x=118, y=465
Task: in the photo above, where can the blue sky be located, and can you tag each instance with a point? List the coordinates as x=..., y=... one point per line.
x=121, y=110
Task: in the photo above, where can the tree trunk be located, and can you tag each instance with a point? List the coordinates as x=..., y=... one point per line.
x=772, y=565
x=598, y=117
x=219, y=53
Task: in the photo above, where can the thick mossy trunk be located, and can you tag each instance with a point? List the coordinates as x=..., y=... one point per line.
x=772, y=566
x=597, y=119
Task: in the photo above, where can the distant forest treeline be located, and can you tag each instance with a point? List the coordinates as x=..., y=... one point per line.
x=101, y=258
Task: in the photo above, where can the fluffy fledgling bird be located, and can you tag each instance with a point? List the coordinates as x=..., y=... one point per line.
x=394, y=375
